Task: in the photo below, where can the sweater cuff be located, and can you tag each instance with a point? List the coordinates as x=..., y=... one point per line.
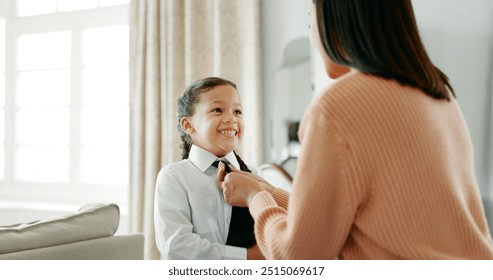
x=281, y=197
x=259, y=202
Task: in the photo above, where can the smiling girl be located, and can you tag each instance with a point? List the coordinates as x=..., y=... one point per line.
x=192, y=220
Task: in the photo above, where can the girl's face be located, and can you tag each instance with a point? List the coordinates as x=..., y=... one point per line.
x=333, y=70
x=217, y=122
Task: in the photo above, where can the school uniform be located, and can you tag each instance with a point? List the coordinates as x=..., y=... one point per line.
x=191, y=217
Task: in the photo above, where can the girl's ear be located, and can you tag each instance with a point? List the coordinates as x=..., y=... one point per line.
x=187, y=125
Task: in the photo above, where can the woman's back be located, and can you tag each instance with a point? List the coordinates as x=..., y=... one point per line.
x=407, y=167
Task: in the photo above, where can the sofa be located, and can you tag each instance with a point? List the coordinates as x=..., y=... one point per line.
x=87, y=234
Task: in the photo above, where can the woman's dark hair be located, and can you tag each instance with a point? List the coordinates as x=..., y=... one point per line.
x=186, y=105
x=379, y=37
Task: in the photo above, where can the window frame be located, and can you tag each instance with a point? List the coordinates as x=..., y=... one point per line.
x=74, y=192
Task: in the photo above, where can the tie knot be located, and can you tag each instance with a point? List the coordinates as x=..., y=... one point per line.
x=226, y=165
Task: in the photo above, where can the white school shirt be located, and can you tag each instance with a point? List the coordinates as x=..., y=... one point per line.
x=191, y=217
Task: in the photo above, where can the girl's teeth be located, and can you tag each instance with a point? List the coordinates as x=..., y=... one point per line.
x=229, y=133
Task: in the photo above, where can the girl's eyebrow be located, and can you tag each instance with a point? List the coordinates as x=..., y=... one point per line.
x=222, y=102
x=217, y=101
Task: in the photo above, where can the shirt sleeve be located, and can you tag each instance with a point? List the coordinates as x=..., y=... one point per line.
x=173, y=225
x=321, y=208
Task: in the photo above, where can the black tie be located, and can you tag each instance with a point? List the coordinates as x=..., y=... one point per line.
x=241, y=228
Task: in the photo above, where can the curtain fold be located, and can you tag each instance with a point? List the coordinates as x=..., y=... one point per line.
x=173, y=43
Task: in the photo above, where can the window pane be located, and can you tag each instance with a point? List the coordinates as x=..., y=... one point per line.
x=107, y=3
x=2, y=63
x=2, y=90
x=2, y=45
x=2, y=96
x=106, y=45
x=73, y=5
x=2, y=126
x=105, y=165
x=42, y=126
x=44, y=50
x=105, y=86
x=42, y=164
x=35, y=7
x=104, y=125
x=2, y=160
x=44, y=88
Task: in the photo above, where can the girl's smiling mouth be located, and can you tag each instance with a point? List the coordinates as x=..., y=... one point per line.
x=229, y=133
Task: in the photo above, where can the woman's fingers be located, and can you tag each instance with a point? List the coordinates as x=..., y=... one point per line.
x=221, y=174
x=238, y=189
x=233, y=169
x=232, y=190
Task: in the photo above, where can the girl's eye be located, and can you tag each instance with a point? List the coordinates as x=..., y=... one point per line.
x=238, y=112
x=216, y=110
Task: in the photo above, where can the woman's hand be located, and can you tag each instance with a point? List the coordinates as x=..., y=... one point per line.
x=239, y=187
x=254, y=253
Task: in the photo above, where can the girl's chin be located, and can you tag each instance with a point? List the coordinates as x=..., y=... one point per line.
x=228, y=148
x=228, y=141
x=223, y=136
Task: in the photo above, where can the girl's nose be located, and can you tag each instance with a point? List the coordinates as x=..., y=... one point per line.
x=231, y=119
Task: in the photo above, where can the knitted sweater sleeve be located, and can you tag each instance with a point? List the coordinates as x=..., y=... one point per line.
x=321, y=205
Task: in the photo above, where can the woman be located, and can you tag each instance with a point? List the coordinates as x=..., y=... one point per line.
x=386, y=168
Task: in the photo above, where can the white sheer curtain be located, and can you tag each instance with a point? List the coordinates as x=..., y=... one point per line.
x=173, y=43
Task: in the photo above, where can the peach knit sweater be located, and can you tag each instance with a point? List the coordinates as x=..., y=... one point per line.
x=385, y=172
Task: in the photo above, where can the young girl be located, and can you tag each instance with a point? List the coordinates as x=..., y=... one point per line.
x=192, y=220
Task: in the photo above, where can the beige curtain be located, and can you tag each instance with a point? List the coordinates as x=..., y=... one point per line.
x=173, y=43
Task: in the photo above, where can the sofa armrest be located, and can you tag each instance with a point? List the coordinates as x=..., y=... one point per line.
x=120, y=247
x=90, y=222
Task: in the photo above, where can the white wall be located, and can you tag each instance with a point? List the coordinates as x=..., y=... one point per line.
x=287, y=91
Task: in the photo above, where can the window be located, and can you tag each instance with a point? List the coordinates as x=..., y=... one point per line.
x=64, y=102
x=2, y=98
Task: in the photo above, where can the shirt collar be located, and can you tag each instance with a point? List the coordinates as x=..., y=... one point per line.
x=202, y=158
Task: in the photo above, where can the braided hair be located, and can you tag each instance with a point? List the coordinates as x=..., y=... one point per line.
x=243, y=166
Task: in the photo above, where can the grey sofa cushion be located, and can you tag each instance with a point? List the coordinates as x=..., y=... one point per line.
x=90, y=222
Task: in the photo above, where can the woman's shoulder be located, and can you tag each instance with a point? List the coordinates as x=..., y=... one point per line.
x=340, y=94
x=354, y=83
x=355, y=91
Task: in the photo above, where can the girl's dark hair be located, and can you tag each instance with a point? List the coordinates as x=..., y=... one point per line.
x=186, y=105
x=243, y=166
x=379, y=37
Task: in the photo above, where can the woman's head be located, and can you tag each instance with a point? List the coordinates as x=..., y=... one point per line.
x=209, y=115
x=377, y=37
